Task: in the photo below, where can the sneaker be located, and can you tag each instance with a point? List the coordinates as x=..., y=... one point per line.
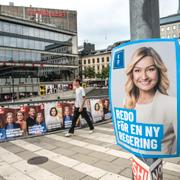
x=69, y=134
x=91, y=131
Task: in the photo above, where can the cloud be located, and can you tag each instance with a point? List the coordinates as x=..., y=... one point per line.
x=168, y=7
x=100, y=22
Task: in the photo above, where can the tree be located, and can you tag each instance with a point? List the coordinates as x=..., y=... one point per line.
x=104, y=74
x=89, y=72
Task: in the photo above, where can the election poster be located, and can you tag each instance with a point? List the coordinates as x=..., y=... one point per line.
x=141, y=171
x=96, y=110
x=49, y=89
x=2, y=125
x=10, y=124
x=87, y=104
x=106, y=109
x=68, y=113
x=35, y=120
x=53, y=116
x=144, y=96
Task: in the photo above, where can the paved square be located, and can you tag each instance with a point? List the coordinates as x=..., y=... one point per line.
x=81, y=157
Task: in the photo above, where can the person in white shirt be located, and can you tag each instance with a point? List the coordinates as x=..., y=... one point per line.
x=79, y=108
x=146, y=92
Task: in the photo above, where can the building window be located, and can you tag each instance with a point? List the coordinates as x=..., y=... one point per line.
x=97, y=60
x=98, y=68
x=84, y=61
x=102, y=67
x=162, y=29
x=93, y=61
x=107, y=59
x=89, y=61
x=168, y=28
x=174, y=35
x=174, y=27
x=102, y=60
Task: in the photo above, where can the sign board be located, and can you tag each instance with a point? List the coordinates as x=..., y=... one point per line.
x=144, y=95
x=42, y=90
x=141, y=171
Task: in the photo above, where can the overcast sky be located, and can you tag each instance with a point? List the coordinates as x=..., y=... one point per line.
x=99, y=22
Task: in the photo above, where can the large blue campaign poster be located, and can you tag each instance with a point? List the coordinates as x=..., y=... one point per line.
x=144, y=96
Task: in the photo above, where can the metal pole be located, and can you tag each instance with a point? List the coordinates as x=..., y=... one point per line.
x=12, y=76
x=144, y=24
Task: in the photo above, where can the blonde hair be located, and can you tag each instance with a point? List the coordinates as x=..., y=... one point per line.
x=10, y=114
x=132, y=92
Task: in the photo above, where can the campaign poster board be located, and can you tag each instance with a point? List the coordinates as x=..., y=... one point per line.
x=49, y=88
x=87, y=105
x=96, y=110
x=53, y=116
x=9, y=124
x=106, y=109
x=141, y=171
x=68, y=113
x=35, y=119
x=144, y=96
x=60, y=88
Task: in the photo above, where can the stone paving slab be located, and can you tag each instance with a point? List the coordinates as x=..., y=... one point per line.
x=81, y=157
x=108, y=166
x=85, y=158
x=66, y=152
x=102, y=156
x=88, y=178
x=67, y=173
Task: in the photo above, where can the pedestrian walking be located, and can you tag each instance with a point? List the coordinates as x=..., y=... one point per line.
x=79, y=108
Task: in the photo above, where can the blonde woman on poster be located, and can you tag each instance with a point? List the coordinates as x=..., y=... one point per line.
x=21, y=121
x=147, y=92
x=10, y=122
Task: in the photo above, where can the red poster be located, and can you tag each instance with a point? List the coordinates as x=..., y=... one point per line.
x=139, y=172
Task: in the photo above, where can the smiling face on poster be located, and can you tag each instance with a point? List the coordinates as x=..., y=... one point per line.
x=53, y=115
x=9, y=123
x=96, y=109
x=144, y=97
x=67, y=114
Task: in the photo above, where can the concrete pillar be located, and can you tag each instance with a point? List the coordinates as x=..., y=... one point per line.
x=144, y=19
x=144, y=24
x=178, y=8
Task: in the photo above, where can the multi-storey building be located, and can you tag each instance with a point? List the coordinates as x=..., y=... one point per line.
x=36, y=45
x=96, y=59
x=170, y=25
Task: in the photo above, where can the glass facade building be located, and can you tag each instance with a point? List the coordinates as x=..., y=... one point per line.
x=38, y=43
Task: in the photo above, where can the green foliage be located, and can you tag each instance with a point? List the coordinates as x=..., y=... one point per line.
x=89, y=72
x=104, y=74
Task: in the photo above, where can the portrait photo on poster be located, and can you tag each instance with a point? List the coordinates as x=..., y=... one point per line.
x=144, y=97
x=53, y=116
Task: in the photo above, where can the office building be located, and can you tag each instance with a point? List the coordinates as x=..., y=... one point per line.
x=37, y=45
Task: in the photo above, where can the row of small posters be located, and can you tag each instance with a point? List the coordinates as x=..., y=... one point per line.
x=56, y=88
x=39, y=118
